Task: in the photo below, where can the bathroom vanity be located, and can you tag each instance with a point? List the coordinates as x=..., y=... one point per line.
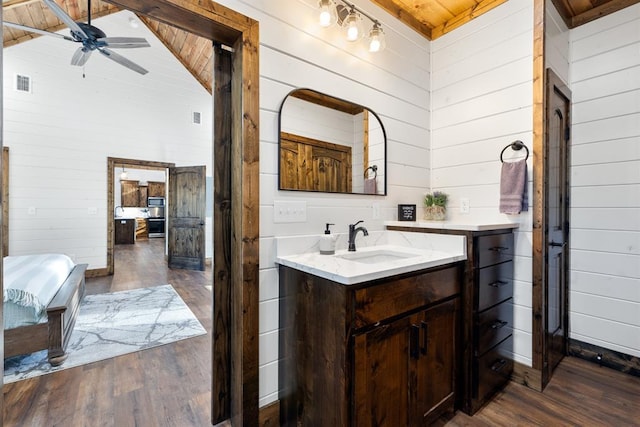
x=487, y=306
x=376, y=350
x=362, y=354
x=399, y=332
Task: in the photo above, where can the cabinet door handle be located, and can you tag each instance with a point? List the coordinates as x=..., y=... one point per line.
x=425, y=335
x=497, y=366
x=498, y=284
x=498, y=324
x=499, y=249
x=414, y=341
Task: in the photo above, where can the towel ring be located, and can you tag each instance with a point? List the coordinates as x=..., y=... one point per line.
x=516, y=146
x=374, y=168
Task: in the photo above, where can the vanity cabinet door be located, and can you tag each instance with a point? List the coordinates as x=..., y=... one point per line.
x=405, y=371
x=381, y=375
x=434, y=364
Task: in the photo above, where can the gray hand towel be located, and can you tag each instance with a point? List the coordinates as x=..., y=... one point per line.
x=513, y=187
x=371, y=186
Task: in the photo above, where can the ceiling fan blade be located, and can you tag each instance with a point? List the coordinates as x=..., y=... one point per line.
x=80, y=57
x=35, y=30
x=73, y=26
x=122, y=60
x=124, y=42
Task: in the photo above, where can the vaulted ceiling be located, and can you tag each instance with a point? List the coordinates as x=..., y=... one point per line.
x=431, y=18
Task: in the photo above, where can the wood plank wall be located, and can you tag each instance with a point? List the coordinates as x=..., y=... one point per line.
x=62, y=132
x=482, y=97
x=605, y=213
x=295, y=52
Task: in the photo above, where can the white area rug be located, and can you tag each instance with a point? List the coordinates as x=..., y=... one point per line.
x=114, y=324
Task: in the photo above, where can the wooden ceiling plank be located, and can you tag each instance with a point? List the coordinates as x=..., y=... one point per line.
x=405, y=17
x=152, y=27
x=37, y=16
x=11, y=4
x=600, y=11
x=469, y=14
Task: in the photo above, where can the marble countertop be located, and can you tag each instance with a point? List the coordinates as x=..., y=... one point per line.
x=453, y=225
x=422, y=250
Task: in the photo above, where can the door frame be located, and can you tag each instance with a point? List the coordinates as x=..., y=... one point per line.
x=112, y=164
x=234, y=373
x=548, y=81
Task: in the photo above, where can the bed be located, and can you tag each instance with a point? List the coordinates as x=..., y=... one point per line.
x=41, y=301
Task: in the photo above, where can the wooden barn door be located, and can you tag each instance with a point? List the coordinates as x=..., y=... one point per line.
x=185, y=214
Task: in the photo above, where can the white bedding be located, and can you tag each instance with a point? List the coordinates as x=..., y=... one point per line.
x=30, y=283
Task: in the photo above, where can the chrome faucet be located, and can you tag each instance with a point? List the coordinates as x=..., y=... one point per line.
x=352, y=234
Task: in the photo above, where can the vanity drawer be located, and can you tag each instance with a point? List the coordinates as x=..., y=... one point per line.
x=494, y=369
x=495, y=284
x=384, y=300
x=494, y=325
x=494, y=249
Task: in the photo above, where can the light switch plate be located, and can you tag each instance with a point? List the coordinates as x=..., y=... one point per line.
x=31, y=211
x=289, y=211
x=92, y=211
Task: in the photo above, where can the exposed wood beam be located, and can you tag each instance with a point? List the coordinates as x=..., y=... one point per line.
x=600, y=11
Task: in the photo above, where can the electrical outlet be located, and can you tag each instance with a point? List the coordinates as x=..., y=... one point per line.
x=375, y=211
x=31, y=211
x=92, y=211
x=289, y=211
x=464, y=205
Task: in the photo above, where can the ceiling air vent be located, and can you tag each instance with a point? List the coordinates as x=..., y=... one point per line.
x=196, y=118
x=23, y=83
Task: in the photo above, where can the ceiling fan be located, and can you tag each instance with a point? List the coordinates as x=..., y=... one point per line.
x=92, y=38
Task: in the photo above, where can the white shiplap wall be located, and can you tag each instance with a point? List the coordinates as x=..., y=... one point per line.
x=296, y=52
x=482, y=96
x=605, y=178
x=60, y=135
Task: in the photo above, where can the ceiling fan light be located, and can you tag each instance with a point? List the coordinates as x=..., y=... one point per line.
x=353, y=26
x=328, y=15
x=377, y=41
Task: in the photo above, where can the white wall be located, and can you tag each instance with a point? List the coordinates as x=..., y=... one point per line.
x=61, y=134
x=605, y=177
x=296, y=52
x=482, y=97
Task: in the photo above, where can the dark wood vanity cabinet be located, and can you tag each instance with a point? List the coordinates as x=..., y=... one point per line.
x=380, y=353
x=487, y=313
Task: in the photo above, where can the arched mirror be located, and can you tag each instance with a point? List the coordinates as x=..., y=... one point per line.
x=330, y=145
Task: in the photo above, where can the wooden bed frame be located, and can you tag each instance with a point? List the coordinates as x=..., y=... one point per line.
x=54, y=334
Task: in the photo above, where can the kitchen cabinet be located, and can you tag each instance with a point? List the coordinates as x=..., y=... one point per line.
x=130, y=194
x=124, y=230
x=156, y=189
x=487, y=313
x=384, y=352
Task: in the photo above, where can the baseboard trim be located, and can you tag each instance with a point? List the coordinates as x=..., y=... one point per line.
x=97, y=272
x=604, y=357
x=526, y=375
x=269, y=415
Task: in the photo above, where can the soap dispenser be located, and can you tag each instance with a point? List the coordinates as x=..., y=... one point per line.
x=328, y=242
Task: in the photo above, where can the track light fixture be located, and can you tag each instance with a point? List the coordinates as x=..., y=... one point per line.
x=349, y=18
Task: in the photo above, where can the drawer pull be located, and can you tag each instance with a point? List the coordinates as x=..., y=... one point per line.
x=498, y=324
x=414, y=341
x=425, y=336
x=499, y=249
x=496, y=367
x=498, y=284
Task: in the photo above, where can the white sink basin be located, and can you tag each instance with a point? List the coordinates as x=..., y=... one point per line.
x=377, y=256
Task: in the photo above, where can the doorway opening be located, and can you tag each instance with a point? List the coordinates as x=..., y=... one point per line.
x=114, y=163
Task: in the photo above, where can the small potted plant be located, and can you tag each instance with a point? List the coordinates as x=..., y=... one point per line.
x=435, y=206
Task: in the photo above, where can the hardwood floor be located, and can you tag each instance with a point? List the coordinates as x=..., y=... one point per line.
x=170, y=385
x=163, y=386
